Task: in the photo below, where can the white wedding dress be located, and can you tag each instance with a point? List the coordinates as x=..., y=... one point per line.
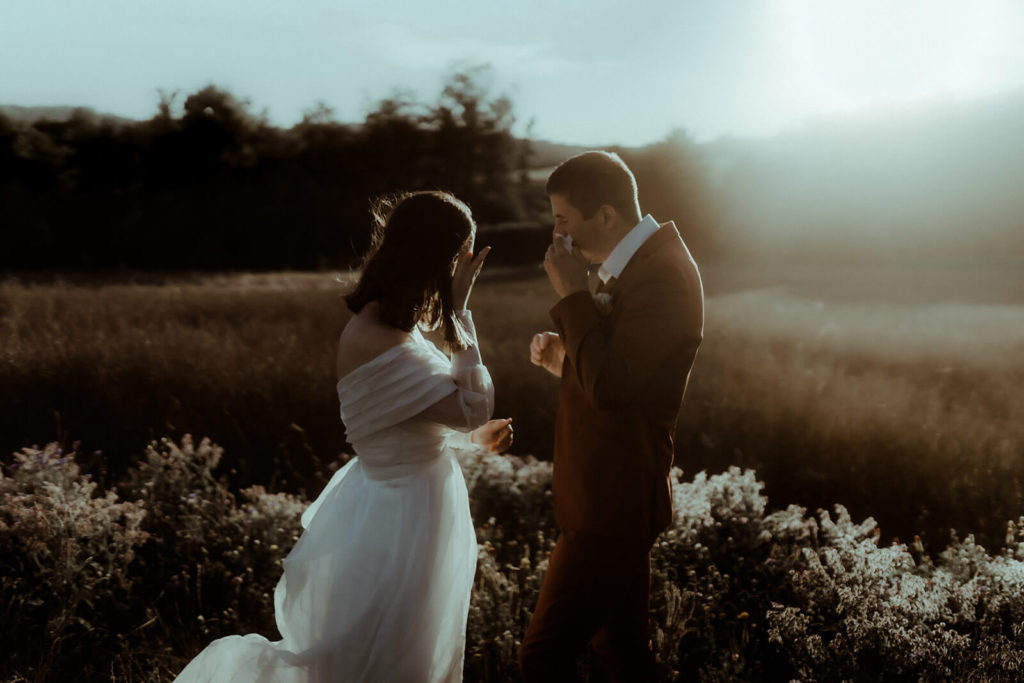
x=377, y=588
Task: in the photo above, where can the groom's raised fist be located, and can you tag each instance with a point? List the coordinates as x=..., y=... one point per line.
x=546, y=350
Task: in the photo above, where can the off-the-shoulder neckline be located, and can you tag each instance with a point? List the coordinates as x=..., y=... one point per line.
x=415, y=338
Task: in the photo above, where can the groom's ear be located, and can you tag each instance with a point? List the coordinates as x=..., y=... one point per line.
x=608, y=215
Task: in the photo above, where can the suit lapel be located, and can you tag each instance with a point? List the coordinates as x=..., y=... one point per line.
x=606, y=287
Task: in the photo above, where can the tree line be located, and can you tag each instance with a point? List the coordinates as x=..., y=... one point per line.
x=216, y=186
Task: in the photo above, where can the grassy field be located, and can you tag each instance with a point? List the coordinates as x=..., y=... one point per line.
x=902, y=402
x=896, y=391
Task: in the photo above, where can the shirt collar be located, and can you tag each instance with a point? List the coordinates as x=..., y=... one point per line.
x=626, y=248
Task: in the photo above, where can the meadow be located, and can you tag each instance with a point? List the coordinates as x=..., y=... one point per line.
x=888, y=395
x=894, y=390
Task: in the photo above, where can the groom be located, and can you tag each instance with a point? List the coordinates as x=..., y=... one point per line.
x=624, y=355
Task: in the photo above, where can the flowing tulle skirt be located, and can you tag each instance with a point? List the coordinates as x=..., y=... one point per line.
x=376, y=589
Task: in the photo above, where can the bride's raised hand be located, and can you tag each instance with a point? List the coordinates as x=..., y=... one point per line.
x=466, y=270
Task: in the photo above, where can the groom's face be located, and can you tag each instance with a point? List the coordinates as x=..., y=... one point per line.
x=586, y=233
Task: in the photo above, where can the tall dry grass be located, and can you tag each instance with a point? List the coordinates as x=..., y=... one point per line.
x=247, y=360
x=905, y=408
x=910, y=413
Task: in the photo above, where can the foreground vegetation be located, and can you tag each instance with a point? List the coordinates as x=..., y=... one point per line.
x=129, y=584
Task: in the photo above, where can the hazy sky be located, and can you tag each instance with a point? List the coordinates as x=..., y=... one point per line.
x=588, y=71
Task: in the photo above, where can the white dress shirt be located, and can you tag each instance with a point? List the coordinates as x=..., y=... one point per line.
x=626, y=248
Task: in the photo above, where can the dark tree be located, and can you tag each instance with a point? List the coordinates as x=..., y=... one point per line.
x=215, y=186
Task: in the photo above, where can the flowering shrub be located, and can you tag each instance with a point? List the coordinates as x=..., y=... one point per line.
x=211, y=565
x=713, y=572
x=513, y=495
x=872, y=613
x=66, y=553
x=103, y=587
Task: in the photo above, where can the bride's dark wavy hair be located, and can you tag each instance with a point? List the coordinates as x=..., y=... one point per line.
x=408, y=269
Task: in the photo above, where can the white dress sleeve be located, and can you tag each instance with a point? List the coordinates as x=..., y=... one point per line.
x=471, y=402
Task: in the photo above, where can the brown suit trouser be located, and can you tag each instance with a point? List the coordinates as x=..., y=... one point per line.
x=596, y=590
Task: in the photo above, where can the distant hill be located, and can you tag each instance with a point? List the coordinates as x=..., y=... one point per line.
x=548, y=154
x=937, y=178
x=31, y=114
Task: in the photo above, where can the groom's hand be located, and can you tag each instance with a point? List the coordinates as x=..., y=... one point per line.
x=546, y=350
x=566, y=268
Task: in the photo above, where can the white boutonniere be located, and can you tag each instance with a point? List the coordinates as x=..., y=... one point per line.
x=603, y=301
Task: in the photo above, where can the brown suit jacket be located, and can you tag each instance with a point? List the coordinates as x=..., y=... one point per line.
x=623, y=381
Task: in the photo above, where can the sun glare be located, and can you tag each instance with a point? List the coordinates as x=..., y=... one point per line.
x=839, y=57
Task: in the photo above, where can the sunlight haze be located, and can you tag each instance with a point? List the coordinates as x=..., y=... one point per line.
x=600, y=72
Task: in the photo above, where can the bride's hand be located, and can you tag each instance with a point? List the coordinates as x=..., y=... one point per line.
x=495, y=435
x=466, y=271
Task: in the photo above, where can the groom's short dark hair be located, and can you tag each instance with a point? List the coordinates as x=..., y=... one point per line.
x=593, y=179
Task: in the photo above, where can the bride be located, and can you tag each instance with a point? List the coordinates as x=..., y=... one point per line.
x=377, y=588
